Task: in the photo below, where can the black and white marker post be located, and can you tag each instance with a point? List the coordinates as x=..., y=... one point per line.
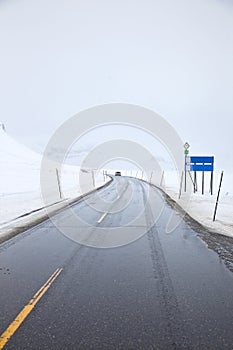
x=186, y=152
x=217, y=200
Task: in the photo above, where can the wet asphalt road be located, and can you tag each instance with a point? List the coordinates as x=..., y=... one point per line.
x=158, y=291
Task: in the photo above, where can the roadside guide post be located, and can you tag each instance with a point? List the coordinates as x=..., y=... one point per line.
x=186, y=152
x=219, y=189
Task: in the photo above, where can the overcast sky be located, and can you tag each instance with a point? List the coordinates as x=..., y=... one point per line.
x=175, y=57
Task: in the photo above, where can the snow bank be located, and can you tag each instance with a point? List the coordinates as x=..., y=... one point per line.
x=20, y=188
x=20, y=191
x=201, y=207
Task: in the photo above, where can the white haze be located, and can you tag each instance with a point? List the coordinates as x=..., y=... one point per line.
x=172, y=56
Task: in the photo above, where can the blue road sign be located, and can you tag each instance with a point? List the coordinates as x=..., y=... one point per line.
x=200, y=163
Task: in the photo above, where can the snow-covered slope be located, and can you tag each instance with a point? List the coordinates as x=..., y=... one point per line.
x=20, y=187
x=19, y=167
x=201, y=207
x=19, y=178
x=20, y=190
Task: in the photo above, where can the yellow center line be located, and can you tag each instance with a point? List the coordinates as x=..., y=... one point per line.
x=4, y=338
x=102, y=217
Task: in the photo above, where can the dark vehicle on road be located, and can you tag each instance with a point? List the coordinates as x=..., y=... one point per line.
x=117, y=173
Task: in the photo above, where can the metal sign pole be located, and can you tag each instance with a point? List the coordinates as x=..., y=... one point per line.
x=203, y=181
x=211, y=183
x=181, y=182
x=201, y=164
x=186, y=152
x=192, y=181
x=185, y=173
x=195, y=181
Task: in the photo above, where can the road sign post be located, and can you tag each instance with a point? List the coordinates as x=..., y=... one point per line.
x=201, y=164
x=181, y=183
x=195, y=181
x=186, y=152
x=211, y=183
x=203, y=181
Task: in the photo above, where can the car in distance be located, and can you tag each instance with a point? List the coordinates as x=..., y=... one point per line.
x=117, y=173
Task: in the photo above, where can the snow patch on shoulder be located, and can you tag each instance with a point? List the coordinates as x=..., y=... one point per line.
x=20, y=180
x=201, y=207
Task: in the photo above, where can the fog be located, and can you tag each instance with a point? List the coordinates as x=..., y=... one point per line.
x=174, y=57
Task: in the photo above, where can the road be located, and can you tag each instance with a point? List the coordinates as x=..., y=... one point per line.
x=121, y=281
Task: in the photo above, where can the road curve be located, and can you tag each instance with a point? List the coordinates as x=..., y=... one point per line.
x=149, y=290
